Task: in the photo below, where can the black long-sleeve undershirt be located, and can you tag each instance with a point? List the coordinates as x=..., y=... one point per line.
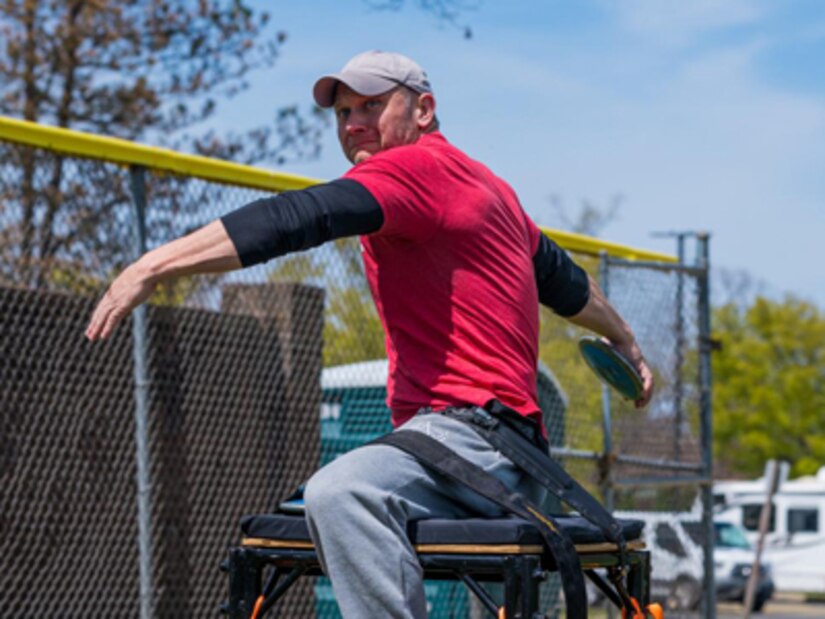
x=298, y=220
x=562, y=284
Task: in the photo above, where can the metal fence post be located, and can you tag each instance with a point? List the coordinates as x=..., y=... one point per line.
x=706, y=420
x=680, y=355
x=137, y=183
x=607, y=426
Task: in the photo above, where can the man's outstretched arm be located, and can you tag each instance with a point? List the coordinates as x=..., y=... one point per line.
x=207, y=250
x=257, y=232
x=568, y=290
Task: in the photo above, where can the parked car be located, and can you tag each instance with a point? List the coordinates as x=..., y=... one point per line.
x=732, y=563
x=675, y=541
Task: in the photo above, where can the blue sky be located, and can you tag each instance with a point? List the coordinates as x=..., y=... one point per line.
x=703, y=115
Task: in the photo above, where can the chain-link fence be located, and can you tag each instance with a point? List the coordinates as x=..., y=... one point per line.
x=126, y=465
x=658, y=464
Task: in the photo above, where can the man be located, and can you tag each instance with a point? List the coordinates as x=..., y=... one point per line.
x=457, y=271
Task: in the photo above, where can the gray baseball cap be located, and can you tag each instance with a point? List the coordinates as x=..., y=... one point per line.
x=372, y=73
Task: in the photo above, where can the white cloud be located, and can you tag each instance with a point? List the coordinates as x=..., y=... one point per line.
x=679, y=22
x=706, y=145
x=713, y=148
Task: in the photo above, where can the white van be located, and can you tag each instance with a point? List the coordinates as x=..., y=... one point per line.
x=795, y=543
x=675, y=543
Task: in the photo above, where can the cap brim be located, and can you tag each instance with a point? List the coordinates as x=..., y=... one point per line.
x=363, y=84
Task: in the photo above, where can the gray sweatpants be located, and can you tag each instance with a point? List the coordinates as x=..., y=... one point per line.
x=359, y=504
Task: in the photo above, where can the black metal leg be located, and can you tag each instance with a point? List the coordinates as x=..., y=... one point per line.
x=484, y=597
x=512, y=587
x=531, y=577
x=522, y=576
x=638, y=580
x=245, y=569
x=278, y=591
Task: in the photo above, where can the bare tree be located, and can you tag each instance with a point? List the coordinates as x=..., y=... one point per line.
x=737, y=287
x=134, y=69
x=446, y=11
x=590, y=218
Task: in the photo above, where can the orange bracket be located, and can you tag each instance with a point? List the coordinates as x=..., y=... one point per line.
x=257, y=610
x=653, y=610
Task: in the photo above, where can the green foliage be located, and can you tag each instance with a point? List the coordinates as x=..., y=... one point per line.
x=68, y=278
x=769, y=386
x=558, y=350
x=352, y=329
x=296, y=268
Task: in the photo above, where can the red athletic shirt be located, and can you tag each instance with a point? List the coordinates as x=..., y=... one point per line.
x=452, y=277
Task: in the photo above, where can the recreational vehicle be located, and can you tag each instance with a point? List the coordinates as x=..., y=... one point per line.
x=795, y=540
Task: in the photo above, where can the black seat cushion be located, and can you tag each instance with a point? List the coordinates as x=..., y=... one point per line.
x=443, y=531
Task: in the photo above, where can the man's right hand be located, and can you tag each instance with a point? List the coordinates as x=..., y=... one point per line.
x=130, y=289
x=206, y=250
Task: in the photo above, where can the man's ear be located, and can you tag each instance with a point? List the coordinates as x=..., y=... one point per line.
x=425, y=110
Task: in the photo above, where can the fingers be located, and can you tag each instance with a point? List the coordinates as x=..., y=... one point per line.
x=105, y=318
x=99, y=325
x=126, y=292
x=103, y=321
x=93, y=329
x=634, y=354
x=648, y=385
x=644, y=400
x=112, y=320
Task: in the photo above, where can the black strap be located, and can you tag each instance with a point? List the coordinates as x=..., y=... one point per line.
x=505, y=430
x=495, y=427
x=446, y=462
x=602, y=585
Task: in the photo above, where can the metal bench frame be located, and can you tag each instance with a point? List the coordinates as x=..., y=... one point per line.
x=520, y=568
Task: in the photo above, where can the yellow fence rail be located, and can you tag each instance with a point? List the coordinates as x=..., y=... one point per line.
x=124, y=152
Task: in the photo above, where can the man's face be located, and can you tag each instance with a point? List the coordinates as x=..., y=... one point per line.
x=370, y=124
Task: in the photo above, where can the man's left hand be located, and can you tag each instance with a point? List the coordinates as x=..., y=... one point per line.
x=633, y=353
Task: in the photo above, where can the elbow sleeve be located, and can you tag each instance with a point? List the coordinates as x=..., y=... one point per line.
x=563, y=286
x=298, y=220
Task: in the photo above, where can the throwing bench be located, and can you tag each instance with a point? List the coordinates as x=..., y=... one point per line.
x=505, y=550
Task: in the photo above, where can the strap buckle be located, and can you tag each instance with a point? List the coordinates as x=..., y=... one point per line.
x=483, y=418
x=472, y=414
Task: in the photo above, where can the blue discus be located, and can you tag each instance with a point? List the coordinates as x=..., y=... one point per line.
x=612, y=368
